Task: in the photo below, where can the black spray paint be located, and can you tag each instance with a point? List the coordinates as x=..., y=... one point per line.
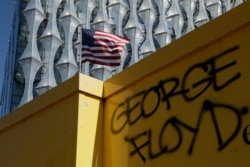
x=128, y=113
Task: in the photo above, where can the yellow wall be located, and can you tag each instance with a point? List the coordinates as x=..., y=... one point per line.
x=56, y=129
x=191, y=107
x=185, y=105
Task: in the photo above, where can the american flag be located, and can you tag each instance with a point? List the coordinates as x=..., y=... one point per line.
x=103, y=48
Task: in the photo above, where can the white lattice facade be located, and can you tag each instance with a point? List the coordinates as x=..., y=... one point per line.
x=47, y=36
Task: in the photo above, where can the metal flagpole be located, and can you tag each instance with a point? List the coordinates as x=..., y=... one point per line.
x=80, y=50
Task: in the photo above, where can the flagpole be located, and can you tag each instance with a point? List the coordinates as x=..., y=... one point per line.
x=80, y=46
x=80, y=50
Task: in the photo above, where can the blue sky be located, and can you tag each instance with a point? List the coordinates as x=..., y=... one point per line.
x=6, y=14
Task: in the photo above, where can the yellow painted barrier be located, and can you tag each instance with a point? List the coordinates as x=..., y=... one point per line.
x=187, y=104
x=60, y=128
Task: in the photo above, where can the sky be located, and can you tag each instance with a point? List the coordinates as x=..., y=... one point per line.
x=6, y=14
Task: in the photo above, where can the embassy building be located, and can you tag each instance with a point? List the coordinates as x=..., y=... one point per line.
x=45, y=41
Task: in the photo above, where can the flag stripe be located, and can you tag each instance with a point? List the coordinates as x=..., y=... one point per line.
x=107, y=43
x=101, y=52
x=101, y=61
x=116, y=38
x=101, y=55
x=115, y=58
x=104, y=46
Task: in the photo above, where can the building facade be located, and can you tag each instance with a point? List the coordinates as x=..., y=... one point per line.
x=45, y=45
